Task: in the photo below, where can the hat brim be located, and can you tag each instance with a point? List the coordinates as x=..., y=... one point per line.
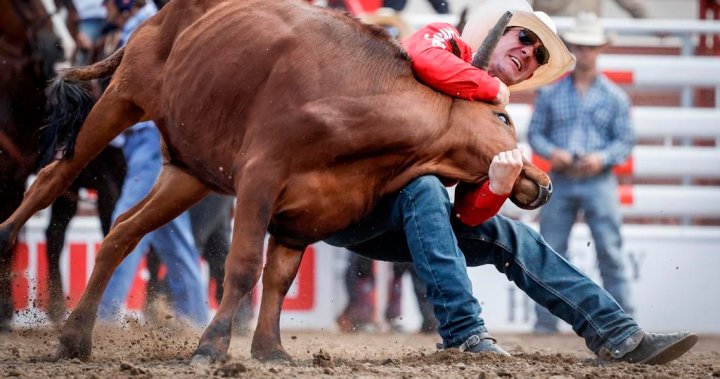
x=487, y=14
x=583, y=39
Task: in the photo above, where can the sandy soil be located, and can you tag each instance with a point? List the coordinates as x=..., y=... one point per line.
x=140, y=351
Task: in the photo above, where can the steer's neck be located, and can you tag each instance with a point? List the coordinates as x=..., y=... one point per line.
x=438, y=146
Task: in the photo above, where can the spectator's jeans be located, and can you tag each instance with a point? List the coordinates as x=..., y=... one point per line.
x=598, y=198
x=421, y=211
x=173, y=242
x=91, y=27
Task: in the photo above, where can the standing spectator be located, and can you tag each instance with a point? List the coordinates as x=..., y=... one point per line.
x=393, y=312
x=582, y=126
x=88, y=31
x=636, y=8
x=173, y=242
x=360, y=284
x=358, y=314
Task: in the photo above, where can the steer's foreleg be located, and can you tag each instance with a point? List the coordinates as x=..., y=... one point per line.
x=255, y=197
x=280, y=271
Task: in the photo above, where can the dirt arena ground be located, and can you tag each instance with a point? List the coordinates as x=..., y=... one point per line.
x=140, y=351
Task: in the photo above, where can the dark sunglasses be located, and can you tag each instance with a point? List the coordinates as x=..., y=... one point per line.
x=529, y=38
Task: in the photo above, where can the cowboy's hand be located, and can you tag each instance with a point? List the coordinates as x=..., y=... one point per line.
x=561, y=159
x=503, y=95
x=504, y=170
x=590, y=164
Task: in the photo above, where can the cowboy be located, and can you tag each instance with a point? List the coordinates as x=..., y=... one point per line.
x=419, y=223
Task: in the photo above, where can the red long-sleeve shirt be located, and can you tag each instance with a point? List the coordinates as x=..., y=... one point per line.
x=435, y=63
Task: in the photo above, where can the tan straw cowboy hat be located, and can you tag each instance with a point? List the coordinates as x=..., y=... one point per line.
x=587, y=31
x=483, y=17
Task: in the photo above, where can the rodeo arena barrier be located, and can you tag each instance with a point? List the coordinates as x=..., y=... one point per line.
x=670, y=192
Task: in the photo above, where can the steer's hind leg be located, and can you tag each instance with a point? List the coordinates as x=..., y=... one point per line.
x=173, y=193
x=280, y=271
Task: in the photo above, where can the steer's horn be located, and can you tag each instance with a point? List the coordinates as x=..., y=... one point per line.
x=482, y=57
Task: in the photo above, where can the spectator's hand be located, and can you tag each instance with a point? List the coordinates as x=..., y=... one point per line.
x=504, y=170
x=83, y=41
x=503, y=95
x=590, y=164
x=561, y=159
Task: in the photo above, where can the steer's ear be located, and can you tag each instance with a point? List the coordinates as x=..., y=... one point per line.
x=484, y=52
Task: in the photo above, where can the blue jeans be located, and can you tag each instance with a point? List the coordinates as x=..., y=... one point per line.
x=415, y=225
x=91, y=27
x=597, y=198
x=173, y=242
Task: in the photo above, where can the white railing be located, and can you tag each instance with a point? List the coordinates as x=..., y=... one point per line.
x=663, y=70
x=648, y=122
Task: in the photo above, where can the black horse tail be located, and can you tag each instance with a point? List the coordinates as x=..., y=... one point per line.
x=69, y=101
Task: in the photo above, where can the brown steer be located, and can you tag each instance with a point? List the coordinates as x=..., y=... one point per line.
x=305, y=114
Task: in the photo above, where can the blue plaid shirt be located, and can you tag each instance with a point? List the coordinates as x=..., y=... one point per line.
x=598, y=122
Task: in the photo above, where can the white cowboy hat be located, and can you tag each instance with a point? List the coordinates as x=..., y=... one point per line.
x=587, y=31
x=484, y=17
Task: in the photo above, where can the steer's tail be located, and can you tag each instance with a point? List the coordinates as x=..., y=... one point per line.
x=69, y=101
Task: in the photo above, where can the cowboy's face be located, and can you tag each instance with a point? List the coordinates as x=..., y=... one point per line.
x=586, y=55
x=516, y=56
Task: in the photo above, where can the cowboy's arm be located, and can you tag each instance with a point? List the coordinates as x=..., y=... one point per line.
x=433, y=62
x=474, y=204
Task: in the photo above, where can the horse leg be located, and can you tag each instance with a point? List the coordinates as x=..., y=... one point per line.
x=244, y=262
x=11, y=193
x=61, y=212
x=174, y=192
x=280, y=271
x=111, y=115
x=110, y=173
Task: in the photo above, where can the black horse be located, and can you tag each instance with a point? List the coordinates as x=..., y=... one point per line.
x=29, y=50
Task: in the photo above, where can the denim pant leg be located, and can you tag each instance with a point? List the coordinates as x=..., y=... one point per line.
x=526, y=259
x=557, y=218
x=142, y=153
x=422, y=211
x=175, y=246
x=603, y=216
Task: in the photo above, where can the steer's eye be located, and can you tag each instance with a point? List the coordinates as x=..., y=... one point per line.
x=504, y=118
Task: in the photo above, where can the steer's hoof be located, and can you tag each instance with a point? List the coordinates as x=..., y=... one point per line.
x=70, y=349
x=271, y=355
x=201, y=360
x=205, y=355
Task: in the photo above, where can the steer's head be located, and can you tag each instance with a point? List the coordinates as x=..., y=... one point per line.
x=480, y=132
